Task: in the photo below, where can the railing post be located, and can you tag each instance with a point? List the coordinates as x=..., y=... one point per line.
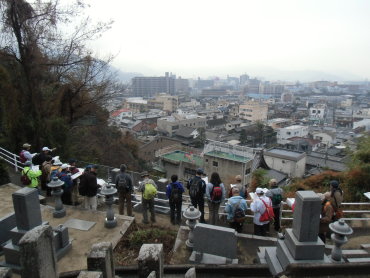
x=15, y=162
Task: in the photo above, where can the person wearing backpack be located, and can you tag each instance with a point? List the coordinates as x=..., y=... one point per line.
x=174, y=192
x=259, y=205
x=45, y=177
x=124, y=187
x=149, y=191
x=29, y=177
x=240, y=186
x=235, y=209
x=25, y=154
x=197, y=189
x=91, y=187
x=215, y=193
x=276, y=195
x=65, y=176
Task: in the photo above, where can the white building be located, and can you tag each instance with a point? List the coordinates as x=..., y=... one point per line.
x=317, y=111
x=169, y=125
x=326, y=138
x=291, y=131
x=289, y=162
x=253, y=111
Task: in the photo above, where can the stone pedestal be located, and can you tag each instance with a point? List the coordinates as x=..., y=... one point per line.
x=38, y=258
x=301, y=243
x=100, y=258
x=150, y=259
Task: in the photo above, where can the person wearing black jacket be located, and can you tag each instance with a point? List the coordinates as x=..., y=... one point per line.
x=197, y=189
x=124, y=188
x=90, y=186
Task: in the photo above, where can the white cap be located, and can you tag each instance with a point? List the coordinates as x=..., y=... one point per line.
x=64, y=166
x=259, y=190
x=45, y=149
x=57, y=162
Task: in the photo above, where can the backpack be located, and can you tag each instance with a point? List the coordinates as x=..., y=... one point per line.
x=268, y=215
x=239, y=214
x=216, y=193
x=25, y=180
x=22, y=158
x=276, y=199
x=36, y=159
x=175, y=195
x=123, y=185
x=194, y=190
x=149, y=191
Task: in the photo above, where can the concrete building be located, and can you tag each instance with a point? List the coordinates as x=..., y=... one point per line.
x=147, y=151
x=164, y=102
x=326, y=138
x=228, y=161
x=289, y=162
x=279, y=122
x=169, y=125
x=149, y=86
x=136, y=104
x=253, y=111
x=182, y=86
x=317, y=112
x=291, y=131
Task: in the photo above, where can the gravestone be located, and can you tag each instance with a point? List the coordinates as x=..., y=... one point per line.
x=301, y=243
x=27, y=217
x=38, y=258
x=5, y=272
x=7, y=223
x=150, y=259
x=100, y=258
x=207, y=249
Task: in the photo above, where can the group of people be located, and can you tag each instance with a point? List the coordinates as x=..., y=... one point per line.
x=265, y=204
x=49, y=167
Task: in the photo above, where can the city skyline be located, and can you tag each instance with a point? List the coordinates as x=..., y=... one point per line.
x=280, y=40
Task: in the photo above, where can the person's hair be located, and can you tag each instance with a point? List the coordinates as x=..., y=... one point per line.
x=215, y=179
x=235, y=191
x=48, y=158
x=123, y=168
x=174, y=178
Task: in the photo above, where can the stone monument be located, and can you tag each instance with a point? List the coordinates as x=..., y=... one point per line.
x=207, y=249
x=27, y=217
x=301, y=243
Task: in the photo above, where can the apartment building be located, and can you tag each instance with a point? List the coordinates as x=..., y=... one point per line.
x=253, y=111
x=169, y=125
x=164, y=102
x=291, y=131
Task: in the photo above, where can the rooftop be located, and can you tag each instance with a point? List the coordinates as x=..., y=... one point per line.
x=229, y=156
x=184, y=157
x=286, y=153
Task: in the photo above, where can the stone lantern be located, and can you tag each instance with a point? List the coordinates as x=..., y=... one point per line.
x=108, y=191
x=191, y=215
x=57, y=191
x=340, y=230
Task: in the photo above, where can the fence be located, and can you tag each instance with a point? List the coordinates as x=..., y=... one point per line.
x=13, y=160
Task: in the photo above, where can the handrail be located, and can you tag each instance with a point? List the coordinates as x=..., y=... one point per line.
x=9, y=152
x=11, y=158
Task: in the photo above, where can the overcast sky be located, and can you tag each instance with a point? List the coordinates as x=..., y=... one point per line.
x=218, y=37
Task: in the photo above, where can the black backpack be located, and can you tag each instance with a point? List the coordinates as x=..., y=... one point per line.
x=122, y=184
x=175, y=195
x=276, y=199
x=36, y=159
x=239, y=214
x=194, y=189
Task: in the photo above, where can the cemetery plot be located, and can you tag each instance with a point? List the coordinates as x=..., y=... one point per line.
x=127, y=249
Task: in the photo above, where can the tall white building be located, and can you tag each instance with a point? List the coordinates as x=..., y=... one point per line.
x=253, y=111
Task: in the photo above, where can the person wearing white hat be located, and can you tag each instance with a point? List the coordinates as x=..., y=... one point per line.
x=259, y=206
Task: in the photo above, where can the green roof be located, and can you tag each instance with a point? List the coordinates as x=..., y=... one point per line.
x=184, y=157
x=228, y=156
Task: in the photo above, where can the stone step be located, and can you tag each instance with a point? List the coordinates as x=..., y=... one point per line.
x=366, y=247
x=358, y=260
x=358, y=253
x=272, y=261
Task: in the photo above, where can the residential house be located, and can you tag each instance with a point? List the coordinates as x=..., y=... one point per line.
x=292, y=163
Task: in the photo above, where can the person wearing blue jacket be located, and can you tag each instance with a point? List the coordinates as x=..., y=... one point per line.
x=174, y=194
x=236, y=208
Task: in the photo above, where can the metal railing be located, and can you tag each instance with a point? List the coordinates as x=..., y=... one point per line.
x=12, y=159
